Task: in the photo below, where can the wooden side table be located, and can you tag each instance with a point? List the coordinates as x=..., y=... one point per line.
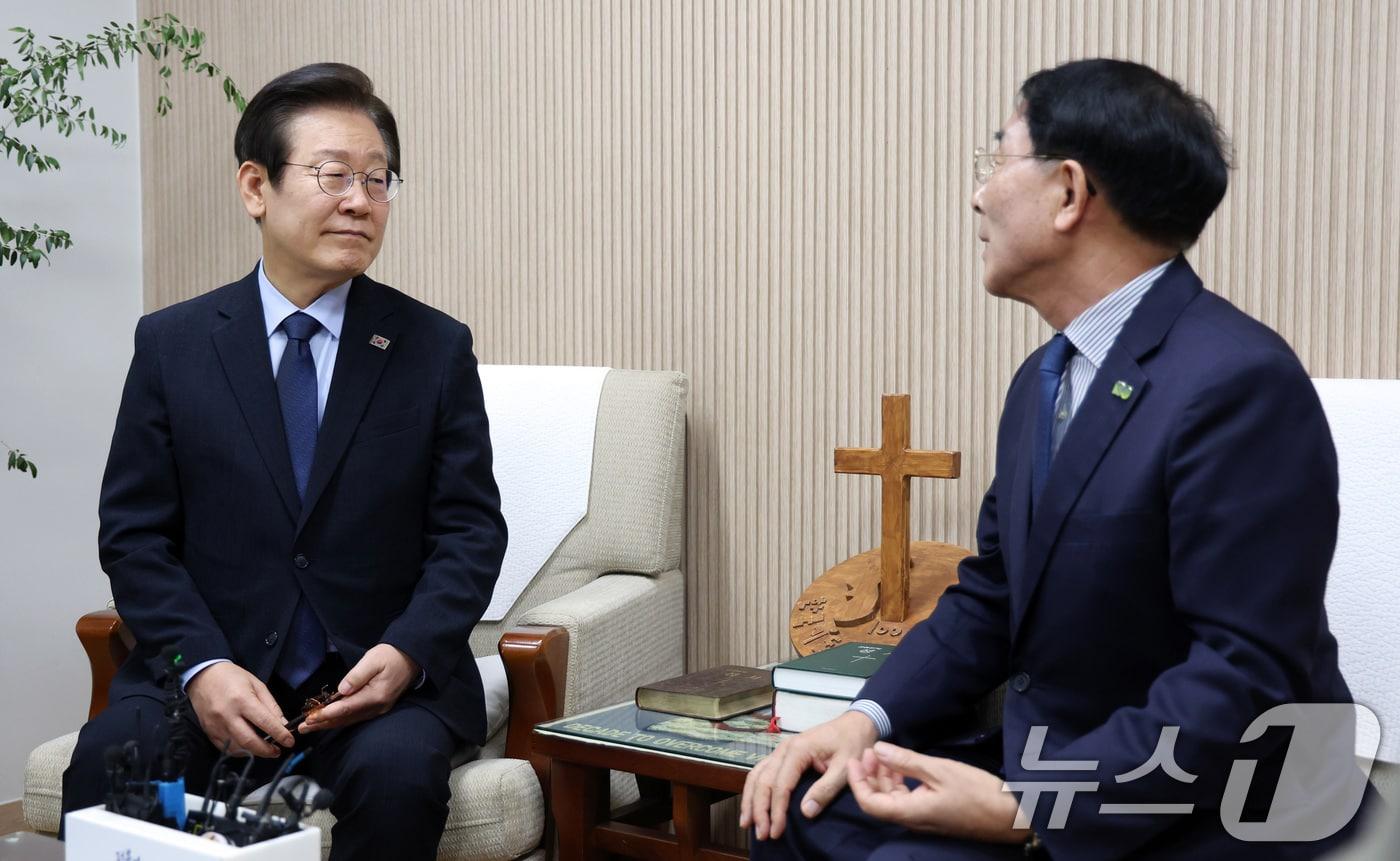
x=696, y=770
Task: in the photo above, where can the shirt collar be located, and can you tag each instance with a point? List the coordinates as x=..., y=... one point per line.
x=1095, y=330
x=329, y=309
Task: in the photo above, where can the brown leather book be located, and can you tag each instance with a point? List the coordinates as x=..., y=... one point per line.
x=713, y=694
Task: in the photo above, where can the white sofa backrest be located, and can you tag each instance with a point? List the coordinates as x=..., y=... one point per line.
x=635, y=519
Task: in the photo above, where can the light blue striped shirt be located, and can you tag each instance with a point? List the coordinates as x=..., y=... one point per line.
x=1092, y=333
x=328, y=310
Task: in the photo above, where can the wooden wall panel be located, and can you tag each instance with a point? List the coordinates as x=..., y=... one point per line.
x=773, y=197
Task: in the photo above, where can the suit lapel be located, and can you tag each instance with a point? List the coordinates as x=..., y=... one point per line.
x=241, y=343
x=1100, y=417
x=1094, y=428
x=1016, y=532
x=358, y=364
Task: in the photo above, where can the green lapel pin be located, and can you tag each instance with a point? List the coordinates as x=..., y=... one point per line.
x=1122, y=390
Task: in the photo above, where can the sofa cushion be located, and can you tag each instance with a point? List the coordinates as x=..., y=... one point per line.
x=43, y=782
x=496, y=812
x=497, y=808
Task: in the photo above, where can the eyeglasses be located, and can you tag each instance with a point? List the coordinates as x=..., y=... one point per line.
x=336, y=178
x=984, y=164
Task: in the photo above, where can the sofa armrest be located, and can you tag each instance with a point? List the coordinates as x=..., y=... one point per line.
x=624, y=630
x=536, y=662
x=107, y=643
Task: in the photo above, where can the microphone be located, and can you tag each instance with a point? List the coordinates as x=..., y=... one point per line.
x=235, y=797
x=290, y=763
x=262, y=815
x=307, y=803
x=208, y=805
x=114, y=759
x=297, y=805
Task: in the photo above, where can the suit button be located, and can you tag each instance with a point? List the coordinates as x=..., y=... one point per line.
x=271, y=639
x=1020, y=682
x=300, y=561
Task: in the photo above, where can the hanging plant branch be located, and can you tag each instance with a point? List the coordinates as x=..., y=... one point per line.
x=33, y=89
x=20, y=461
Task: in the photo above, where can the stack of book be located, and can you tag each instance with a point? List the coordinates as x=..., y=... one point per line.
x=819, y=687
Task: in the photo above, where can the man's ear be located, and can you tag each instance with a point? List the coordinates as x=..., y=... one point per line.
x=1073, y=188
x=253, y=185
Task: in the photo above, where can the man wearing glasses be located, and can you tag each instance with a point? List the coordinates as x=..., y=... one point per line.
x=299, y=494
x=1152, y=553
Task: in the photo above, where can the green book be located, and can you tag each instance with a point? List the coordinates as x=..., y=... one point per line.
x=840, y=671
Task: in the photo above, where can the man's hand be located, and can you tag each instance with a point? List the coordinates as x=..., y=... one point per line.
x=954, y=798
x=370, y=689
x=827, y=748
x=236, y=709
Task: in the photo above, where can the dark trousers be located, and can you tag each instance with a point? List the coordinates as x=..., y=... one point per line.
x=844, y=832
x=389, y=774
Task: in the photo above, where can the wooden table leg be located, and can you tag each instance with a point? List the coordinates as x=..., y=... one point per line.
x=690, y=813
x=579, y=801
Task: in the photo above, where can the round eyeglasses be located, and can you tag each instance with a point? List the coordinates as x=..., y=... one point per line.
x=336, y=178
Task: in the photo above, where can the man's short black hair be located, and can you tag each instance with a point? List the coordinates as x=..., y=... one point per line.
x=262, y=131
x=1154, y=150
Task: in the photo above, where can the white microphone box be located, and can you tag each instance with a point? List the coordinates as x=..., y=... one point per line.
x=95, y=833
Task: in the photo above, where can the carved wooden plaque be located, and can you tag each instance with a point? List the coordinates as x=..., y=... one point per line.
x=843, y=604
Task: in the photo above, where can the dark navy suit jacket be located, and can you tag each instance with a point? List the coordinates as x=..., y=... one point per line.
x=1172, y=575
x=400, y=537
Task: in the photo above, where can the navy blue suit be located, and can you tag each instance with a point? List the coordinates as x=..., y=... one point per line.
x=399, y=539
x=1172, y=575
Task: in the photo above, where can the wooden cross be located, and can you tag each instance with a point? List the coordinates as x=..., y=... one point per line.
x=895, y=463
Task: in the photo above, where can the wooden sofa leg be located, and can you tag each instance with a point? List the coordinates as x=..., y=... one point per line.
x=107, y=644
x=537, y=662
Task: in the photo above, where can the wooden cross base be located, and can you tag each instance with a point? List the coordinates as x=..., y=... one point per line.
x=843, y=605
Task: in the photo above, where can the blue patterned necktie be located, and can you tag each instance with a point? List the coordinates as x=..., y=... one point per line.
x=296, y=389
x=1052, y=369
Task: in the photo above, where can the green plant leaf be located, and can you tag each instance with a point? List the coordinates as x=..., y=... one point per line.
x=33, y=88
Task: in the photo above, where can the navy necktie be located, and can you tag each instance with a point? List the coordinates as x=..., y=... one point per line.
x=1052, y=368
x=296, y=389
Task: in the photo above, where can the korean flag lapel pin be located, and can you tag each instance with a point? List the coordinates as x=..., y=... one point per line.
x=1122, y=390
x=382, y=343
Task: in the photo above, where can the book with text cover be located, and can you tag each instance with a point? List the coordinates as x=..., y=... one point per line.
x=741, y=741
x=840, y=671
x=712, y=694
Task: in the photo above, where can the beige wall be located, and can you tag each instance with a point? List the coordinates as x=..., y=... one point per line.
x=773, y=198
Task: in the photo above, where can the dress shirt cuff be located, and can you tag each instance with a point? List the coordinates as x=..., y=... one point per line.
x=195, y=670
x=876, y=713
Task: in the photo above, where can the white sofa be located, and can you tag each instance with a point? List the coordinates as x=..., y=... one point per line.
x=606, y=613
